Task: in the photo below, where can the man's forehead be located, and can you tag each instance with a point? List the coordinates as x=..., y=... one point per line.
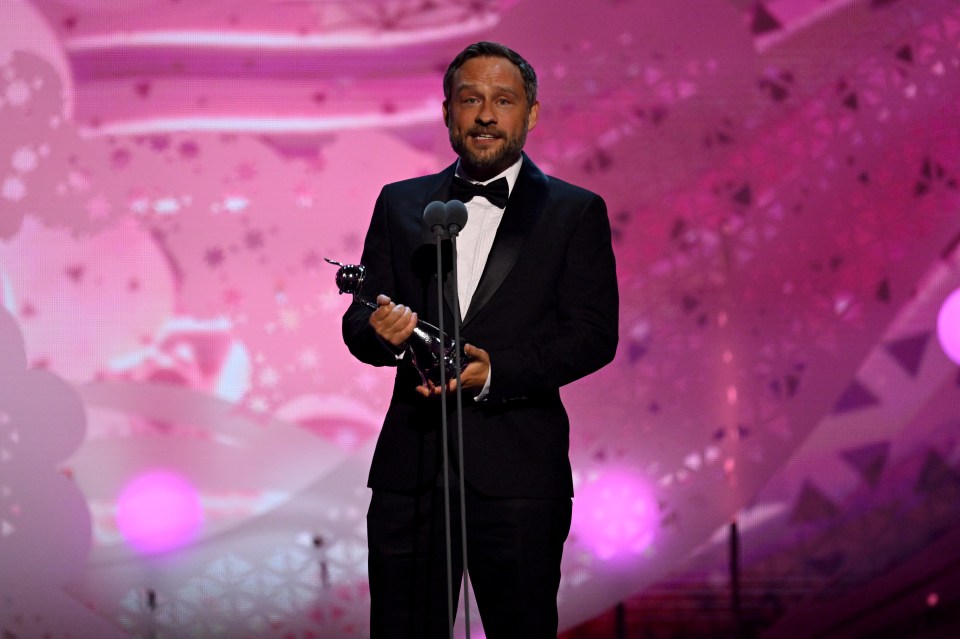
x=507, y=74
x=489, y=64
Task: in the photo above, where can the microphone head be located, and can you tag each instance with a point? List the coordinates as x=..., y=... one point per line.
x=456, y=212
x=435, y=218
x=435, y=215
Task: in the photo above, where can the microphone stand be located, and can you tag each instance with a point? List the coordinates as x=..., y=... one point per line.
x=454, y=231
x=439, y=232
x=446, y=220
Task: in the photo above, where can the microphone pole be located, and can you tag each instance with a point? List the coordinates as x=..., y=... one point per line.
x=457, y=219
x=435, y=216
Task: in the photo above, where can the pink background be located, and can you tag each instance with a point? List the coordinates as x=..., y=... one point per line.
x=782, y=182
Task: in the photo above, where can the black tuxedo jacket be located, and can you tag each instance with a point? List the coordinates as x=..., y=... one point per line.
x=546, y=309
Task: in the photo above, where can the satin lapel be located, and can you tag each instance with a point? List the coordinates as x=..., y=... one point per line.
x=442, y=190
x=521, y=214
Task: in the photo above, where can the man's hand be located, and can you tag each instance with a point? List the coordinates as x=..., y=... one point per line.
x=394, y=323
x=473, y=376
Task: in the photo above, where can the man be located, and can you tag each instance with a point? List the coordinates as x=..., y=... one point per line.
x=538, y=296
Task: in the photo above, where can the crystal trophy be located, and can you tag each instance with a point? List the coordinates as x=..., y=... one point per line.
x=428, y=348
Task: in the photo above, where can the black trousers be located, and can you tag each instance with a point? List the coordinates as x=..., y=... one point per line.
x=514, y=547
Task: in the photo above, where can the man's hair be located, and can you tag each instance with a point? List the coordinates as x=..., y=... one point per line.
x=493, y=50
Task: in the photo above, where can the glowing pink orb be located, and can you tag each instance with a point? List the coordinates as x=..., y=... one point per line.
x=615, y=515
x=159, y=511
x=948, y=326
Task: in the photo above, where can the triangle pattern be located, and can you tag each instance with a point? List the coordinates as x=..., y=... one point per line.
x=908, y=352
x=868, y=461
x=883, y=291
x=905, y=53
x=812, y=505
x=763, y=21
x=856, y=397
x=936, y=475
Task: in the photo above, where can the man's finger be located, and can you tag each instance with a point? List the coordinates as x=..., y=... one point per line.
x=429, y=391
x=394, y=318
x=476, y=353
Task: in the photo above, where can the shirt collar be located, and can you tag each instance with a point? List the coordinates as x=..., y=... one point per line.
x=512, y=172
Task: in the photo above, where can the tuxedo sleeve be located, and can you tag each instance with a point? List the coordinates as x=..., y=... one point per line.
x=587, y=315
x=359, y=336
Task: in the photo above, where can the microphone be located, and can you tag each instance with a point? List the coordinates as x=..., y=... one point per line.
x=456, y=213
x=435, y=217
x=445, y=220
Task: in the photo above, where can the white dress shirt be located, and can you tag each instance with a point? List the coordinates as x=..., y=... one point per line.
x=475, y=241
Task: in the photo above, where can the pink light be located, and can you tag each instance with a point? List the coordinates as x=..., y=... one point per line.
x=615, y=515
x=273, y=40
x=427, y=112
x=159, y=511
x=948, y=326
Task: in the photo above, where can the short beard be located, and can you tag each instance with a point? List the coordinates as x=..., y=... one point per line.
x=509, y=151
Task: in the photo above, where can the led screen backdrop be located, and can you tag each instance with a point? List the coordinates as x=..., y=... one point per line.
x=184, y=438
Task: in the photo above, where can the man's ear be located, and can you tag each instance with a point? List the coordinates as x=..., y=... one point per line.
x=533, y=115
x=446, y=114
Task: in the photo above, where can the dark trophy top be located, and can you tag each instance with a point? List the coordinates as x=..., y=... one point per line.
x=428, y=347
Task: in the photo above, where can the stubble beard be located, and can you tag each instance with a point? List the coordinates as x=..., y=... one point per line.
x=508, y=152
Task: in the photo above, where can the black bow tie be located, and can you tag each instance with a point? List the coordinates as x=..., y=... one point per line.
x=496, y=192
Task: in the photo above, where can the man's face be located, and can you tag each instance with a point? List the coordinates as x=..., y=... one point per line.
x=488, y=115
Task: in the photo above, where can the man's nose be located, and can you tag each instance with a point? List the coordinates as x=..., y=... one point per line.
x=486, y=115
